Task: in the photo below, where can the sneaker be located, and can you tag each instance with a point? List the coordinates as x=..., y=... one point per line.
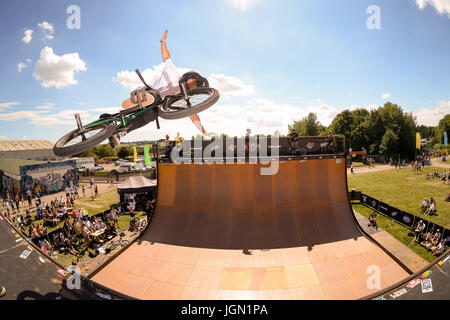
x=2, y=291
x=114, y=140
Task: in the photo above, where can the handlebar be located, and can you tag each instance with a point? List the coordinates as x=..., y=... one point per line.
x=142, y=79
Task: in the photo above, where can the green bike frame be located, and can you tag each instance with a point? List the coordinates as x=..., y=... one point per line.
x=122, y=119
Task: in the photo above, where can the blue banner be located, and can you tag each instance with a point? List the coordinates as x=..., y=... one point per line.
x=445, y=139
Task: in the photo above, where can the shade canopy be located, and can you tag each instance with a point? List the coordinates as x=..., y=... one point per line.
x=136, y=184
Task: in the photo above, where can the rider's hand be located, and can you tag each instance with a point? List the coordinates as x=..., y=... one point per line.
x=163, y=39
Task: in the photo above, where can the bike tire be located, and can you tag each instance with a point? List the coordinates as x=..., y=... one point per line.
x=111, y=246
x=143, y=224
x=176, y=107
x=124, y=243
x=61, y=148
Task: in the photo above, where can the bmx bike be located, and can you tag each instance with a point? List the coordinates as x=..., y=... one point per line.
x=144, y=105
x=138, y=226
x=116, y=243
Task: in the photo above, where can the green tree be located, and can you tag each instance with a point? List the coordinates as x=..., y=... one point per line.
x=443, y=126
x=389, y=142
x=105, y=150
x=308, y=126
x=124, y=152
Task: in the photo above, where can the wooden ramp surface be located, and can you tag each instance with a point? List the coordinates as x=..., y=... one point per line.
x=224, y=231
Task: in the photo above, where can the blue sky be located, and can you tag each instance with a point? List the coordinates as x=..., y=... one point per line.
x=273, y=61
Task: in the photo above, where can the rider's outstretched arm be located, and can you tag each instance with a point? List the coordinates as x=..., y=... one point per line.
x=164, y=51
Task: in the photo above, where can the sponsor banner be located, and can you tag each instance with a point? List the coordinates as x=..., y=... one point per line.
x=371, y=202
x=383, y=207
x=413, y=283
x=25, y=254
x=365, y=198
x=398, y=293
x=444, y=261
x=374, y=203
x=395, y=214
x=408, y=219
x=426, y=274
x=427, y=286
x=447, y=236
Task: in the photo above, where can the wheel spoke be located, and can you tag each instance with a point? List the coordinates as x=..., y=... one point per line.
x=193, y=100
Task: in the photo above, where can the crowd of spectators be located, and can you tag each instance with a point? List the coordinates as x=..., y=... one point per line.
x=428, y=207
x=443, y=176
x=79, y=231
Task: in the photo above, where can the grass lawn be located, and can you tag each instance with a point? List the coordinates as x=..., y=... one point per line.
x=398, y=231
x=406, y=190
x=100, y=204
x=361, y=164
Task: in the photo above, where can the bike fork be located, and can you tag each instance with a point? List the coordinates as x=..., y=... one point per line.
x=80, y=126
x=185, y=95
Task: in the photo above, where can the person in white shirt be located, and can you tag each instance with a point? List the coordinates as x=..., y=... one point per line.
x=167, y=84
x=440, y=248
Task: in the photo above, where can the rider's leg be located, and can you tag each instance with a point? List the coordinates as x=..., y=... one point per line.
x=134, y=124
x=149, y=99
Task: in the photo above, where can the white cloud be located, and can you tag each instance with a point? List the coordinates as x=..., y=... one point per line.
x=243, y=5
x=28, y=36
x=386, y=95
x=441, y=6
x=131, y=81
x=3, y=138
x=7, y=105
x=58, y=71
x=230, y=85
x=23, y=65
x=368, y=107
x=41, y=117
x=44, y=107
x=430, y=116
x=48, y=29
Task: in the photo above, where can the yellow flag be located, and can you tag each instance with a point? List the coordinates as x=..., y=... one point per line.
x=134, y=155
x=418, y=140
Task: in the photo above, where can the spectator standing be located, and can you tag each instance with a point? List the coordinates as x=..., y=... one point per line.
x=418, y=231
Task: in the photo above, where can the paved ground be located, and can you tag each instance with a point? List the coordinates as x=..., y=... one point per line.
x=366, y=169
x=431, y=284
x=412, y=260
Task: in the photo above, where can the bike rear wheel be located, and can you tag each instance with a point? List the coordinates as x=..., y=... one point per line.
x=78, y=140
x=200, y=99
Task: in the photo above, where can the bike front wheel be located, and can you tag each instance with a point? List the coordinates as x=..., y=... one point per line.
x=199, y=99
x=78, y=140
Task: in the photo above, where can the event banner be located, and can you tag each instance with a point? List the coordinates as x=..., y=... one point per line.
x=147, y=160
x=403, y=217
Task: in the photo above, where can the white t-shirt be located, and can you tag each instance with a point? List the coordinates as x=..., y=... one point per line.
x=168, y=83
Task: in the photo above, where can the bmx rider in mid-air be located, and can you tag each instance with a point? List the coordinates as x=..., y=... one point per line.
x=167, y=84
